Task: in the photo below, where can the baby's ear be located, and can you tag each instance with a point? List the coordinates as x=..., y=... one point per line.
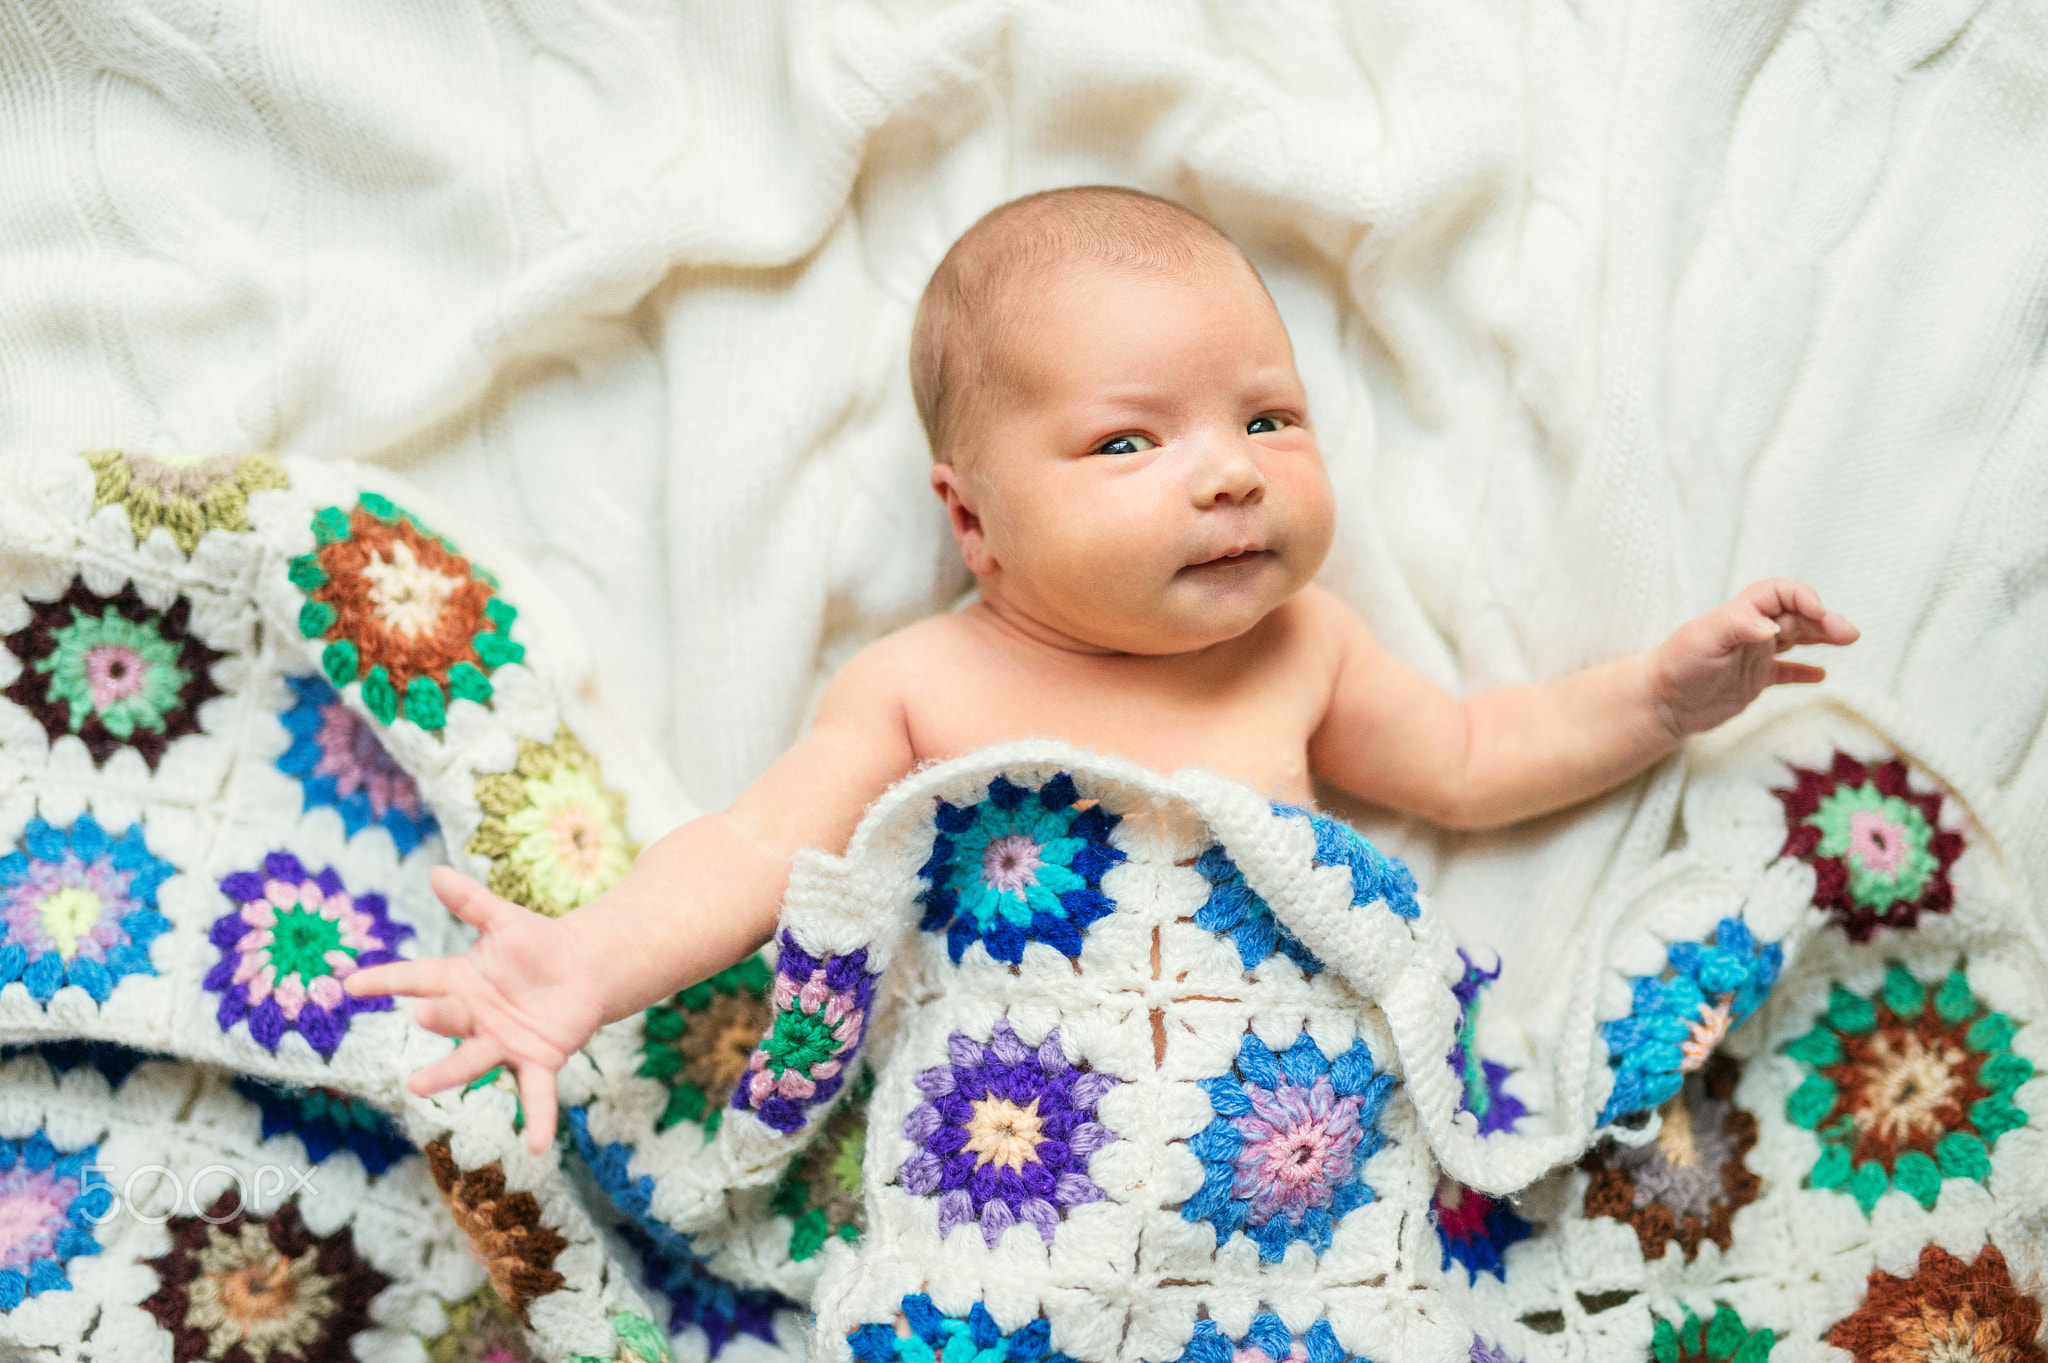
x=958, y=495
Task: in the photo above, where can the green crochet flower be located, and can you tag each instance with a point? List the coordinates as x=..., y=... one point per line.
x=820, y=1191
x=637, y=1342
x=555, y=834
x=122, y=671
x=697, y=1043
x=1906, y=1088
x=1724, y=1339
x=1880, y=857
x=1856, y=819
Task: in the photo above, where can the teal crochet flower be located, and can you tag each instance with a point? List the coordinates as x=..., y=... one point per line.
x=1677, y=1020
x=79, y=907
x=1906, y=1088
x=936, y=1337
x=1021, y=865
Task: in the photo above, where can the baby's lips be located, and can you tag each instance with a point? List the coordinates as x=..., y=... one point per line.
x=1241, y=551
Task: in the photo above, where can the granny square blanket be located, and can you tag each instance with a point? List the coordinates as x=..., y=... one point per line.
x=1062, y=1059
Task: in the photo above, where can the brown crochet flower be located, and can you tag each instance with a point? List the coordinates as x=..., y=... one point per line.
x=260, y=1289
x=1687, y=1184
x=698, y=1043
x=1948, y=1312
x=112, y=671
x=503, y=1227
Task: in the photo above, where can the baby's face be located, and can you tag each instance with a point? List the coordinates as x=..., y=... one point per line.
x=1150, y=483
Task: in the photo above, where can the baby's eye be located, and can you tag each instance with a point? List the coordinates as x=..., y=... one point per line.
x=1263, y=425
x=1125, y=444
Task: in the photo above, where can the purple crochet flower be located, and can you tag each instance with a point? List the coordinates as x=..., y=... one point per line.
x=288, y=945
x=1007, y=1134
x=1483, y=1081
x=821, y=1016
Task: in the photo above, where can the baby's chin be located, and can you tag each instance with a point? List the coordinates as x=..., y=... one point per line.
x=1187, y=622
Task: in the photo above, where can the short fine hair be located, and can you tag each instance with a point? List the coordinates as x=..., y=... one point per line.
x=957, y=342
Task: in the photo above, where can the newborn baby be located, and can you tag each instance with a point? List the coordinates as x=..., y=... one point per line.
x=1125, y=452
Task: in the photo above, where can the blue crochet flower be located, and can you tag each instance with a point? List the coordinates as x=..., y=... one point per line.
x=936, y=1337
x=633, y=1196
x=79, y=907
x=326, y=1120
x=337, y=759
x=723, y=1310
x=1019, y=866
x=1676, y=1020
x=49, y=1202
x=698, y=1297
x=1284, y=1157
x=1269, y=1337
x=1374, y=875
x=1234, y=911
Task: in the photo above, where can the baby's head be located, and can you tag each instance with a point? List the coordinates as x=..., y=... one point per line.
x=1116, y=425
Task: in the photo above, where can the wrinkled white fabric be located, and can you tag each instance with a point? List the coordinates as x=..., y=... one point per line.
x=1603, y=310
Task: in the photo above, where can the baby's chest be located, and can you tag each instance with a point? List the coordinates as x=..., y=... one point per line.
x=1255, y=730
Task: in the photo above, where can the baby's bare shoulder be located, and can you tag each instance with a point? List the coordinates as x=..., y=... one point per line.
x=899, y=664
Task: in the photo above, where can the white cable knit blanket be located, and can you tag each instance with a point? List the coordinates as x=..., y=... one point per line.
x=1603, y=310
x=1061, y=1059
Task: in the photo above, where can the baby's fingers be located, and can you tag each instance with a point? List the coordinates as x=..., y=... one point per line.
x=413, y=978
x=472, y=1058
x=447, y=1016
x=469, y=901
x=1796, y=674
x=537, y=1101
x=1830, y=627
x=1781, y=596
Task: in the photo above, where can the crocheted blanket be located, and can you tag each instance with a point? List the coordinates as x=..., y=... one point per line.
x=1062, y=1059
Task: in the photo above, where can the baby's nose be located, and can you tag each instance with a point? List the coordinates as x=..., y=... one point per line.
x=1229, y=478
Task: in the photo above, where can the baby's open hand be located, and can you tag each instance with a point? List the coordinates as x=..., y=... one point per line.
x=1713, y=667
x=522, y=996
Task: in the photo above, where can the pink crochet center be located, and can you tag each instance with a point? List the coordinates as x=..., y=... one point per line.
x=1879, y=843
x=350, y=753
x=32, y=1211
x=1010, y=864
x=114, y=672
x=1298, y=1144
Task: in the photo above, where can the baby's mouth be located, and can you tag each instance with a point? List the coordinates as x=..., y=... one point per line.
x=1232, y=559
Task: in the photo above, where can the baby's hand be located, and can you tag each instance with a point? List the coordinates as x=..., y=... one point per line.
x=1713, y=667
x=522, y=996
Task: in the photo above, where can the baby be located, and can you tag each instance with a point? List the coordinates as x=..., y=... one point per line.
x=1124, y=449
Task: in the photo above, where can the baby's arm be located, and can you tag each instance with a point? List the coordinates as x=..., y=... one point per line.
x=1501, y=756
x=531, y=990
